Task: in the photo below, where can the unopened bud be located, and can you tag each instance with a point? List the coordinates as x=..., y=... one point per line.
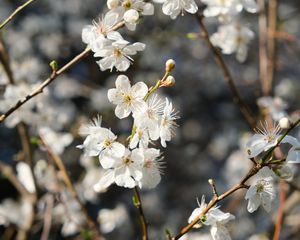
x=131, y=16
x=211, y=182
x=169, y=82
x=284, y=123
x=170, y=65
x=54, y=66
x=111, y=4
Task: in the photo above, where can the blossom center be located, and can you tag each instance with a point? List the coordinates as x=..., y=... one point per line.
x=117, y=52
x=127, y=161
x=127, y=99
x=127, y=4
x=108, y=143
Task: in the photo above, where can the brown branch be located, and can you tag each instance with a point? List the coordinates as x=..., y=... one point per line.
x=238, y=186
x=282, y=196
x=65, y=176
x=52, y=77
x=237, y=99
x=19, y=9
x=45, y=84
x=4, y=59
x=138, y=204
x=47, y=217
x=263, y=54
x=272, y=42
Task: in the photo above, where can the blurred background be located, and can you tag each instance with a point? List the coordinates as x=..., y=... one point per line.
x=209, y=140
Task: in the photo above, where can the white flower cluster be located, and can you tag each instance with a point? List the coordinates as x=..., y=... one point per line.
x=138, y=164
x=214, y=218
x=109, y=45
x=231, y=37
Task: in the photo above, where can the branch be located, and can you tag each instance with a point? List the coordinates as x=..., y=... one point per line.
x=237, y=99
x=52, y=77
x=272, y=42
x=279, y=220
x=238, y=186
x=60, y=165
x=19, y=9
x=263, y=53
x=45, y=84
x=138, y=204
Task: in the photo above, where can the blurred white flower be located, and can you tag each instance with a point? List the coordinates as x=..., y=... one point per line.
x=18, y=213
x=226, y=9
x=261, y=191
x=110, y=219
x=294, y=154
x=128, y=99
x=274, y=106
x=25, y=176
x=233, y=38
x=174, y=7
x=116, y=52
x=55, y=140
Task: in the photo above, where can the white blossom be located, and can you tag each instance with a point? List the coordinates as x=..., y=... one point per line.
x=214, y=218
x=128, y=99
x=261, y=191
x=94, y=35
x=233, y=38
x=168, y=124
x=116, y=52
x=130, y=11
x=266, y=138
x=151, y=169
x=125, y=171
x=174, y=7
x=100, y=140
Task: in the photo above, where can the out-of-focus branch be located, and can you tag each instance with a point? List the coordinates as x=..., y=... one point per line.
x=65, y=176
x=280, y=213
x=47, y=217
x=138, y=204
x=263, y=54
x=237, y=99
x=272, y=42
x=19, y=9
x=4, y=59
x=52, y=77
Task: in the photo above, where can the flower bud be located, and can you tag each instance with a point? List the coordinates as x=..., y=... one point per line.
x=284, y=123
x=170, y=65
x=111, y=4
x=169, y=82
x=131, y=16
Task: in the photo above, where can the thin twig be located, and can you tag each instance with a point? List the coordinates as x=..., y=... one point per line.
x=280, y=210
x=238, y=186
x=263, y=55
x=65, y=176
x=4, y=59
x=237, y=99
x=47, y=217
x=272, y=42
x=19, y=9
x=50, y=79
x=138, y=204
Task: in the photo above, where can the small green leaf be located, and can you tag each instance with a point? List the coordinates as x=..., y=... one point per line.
x=54, y=66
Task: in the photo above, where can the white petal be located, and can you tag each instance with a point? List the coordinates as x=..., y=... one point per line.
x=106, y=180
x=123, y=83
x=122, y=111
